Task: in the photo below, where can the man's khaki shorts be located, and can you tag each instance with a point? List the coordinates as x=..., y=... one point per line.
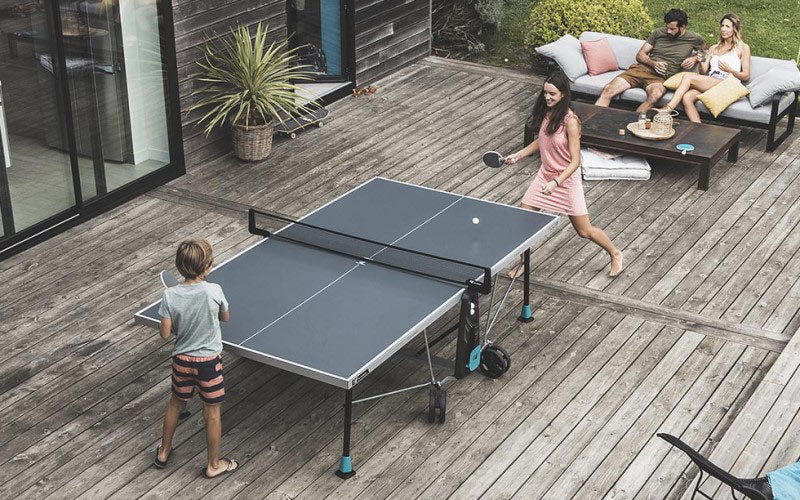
x=640, y=76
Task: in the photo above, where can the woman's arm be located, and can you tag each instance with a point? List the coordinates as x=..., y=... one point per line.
x=744, y=74
x=522, y=153
x=574, y=140
x=705, y=64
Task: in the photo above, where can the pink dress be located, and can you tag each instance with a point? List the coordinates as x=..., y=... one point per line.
x=568, y=197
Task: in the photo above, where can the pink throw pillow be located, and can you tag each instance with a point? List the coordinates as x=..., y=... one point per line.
x=599, y=56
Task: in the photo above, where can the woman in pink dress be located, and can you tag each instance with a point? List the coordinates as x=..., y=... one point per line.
x=557, y=186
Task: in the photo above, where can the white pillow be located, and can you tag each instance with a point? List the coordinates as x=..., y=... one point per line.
x=568, y=54
x=772, y=82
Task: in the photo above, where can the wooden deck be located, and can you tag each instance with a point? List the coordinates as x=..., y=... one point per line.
x=688, y=340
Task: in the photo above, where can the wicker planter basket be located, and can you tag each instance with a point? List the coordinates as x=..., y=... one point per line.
x=253, y=143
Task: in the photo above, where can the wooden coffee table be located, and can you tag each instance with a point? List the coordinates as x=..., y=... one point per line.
x=601, y=129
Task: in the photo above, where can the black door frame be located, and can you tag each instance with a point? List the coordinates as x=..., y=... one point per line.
x=11, y=244
x=347, y=30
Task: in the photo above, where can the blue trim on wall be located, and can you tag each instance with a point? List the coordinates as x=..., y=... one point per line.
x=331, y=27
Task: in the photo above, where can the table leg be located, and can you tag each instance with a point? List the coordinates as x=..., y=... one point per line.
x=467, y=356
x=733, y=152
x=705, y=175
x=345, y=470
x=526, y=316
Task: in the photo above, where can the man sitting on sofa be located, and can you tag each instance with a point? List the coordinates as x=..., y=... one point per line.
x=666, y=52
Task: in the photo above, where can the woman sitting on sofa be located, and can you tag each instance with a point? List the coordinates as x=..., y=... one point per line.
x=729, y=56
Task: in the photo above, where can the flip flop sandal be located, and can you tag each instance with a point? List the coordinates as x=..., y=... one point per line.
x=158, y=463
x=228, y=469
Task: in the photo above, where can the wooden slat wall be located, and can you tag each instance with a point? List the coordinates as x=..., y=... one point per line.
x=390, y=34
x=193, y=20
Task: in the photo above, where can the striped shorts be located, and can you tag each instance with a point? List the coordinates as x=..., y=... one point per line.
x=205, y=373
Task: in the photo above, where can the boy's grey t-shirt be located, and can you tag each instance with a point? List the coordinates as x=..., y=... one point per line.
x=194, y=310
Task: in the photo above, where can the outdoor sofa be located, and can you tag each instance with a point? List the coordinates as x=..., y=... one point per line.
x=566, y=53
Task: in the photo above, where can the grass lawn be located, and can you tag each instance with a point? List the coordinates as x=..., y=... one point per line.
x=771, y=27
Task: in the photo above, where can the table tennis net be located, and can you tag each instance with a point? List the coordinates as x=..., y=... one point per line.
x=474, y=277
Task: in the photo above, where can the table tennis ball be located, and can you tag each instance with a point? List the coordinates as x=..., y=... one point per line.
x=475, y=220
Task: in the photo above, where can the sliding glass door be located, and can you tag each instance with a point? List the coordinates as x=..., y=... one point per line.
x=317, y=27
x=84, y=106
x=39, y=179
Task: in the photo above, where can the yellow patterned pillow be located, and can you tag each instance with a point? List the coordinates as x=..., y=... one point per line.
x=723, y=94
x=674, y=81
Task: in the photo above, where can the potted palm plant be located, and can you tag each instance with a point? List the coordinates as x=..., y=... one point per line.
x=248, y=83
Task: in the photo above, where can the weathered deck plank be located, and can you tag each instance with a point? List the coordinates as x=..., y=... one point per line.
x=686, y=340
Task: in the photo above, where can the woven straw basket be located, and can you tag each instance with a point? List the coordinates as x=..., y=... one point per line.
x=253, y=143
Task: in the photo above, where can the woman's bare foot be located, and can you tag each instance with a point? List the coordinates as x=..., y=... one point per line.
x=616, y=264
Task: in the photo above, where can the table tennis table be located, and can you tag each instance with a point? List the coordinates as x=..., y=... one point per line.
x=334, y=294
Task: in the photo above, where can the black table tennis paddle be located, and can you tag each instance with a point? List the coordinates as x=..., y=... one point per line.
x=493, y=159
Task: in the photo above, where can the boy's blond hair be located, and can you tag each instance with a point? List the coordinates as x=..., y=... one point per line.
x=193, y=258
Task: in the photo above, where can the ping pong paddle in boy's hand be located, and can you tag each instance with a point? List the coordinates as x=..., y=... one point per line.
x=168, y=279
x=493, y=159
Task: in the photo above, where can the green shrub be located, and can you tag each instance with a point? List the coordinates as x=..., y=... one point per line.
x=490, y=11
x=551, y=19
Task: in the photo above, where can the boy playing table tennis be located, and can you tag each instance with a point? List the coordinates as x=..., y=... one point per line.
x=193, y=311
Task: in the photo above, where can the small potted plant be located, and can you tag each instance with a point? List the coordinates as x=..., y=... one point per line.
x=248, y=83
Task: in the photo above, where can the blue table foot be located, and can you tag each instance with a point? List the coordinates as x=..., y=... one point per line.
x=526, y=316
x=346, y=468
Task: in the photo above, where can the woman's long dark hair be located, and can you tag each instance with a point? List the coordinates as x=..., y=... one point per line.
x=557, y=114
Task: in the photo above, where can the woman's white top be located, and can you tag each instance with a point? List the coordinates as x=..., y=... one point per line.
x=731, y=58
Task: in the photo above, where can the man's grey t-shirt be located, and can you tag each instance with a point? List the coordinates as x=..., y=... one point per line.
x=194, y=311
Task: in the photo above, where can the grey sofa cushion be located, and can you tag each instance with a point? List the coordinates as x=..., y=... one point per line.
x=760, y=65
x=625, y=48
x=568, y=54
x=593, y=84
x=639, y=95
x=742, y=110
x=774, y=81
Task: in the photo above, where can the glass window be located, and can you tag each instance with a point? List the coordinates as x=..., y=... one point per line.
x=120, y=118
x=83, y=104
x=32, y=133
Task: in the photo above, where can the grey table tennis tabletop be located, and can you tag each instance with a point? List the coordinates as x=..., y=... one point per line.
x=333, y=318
